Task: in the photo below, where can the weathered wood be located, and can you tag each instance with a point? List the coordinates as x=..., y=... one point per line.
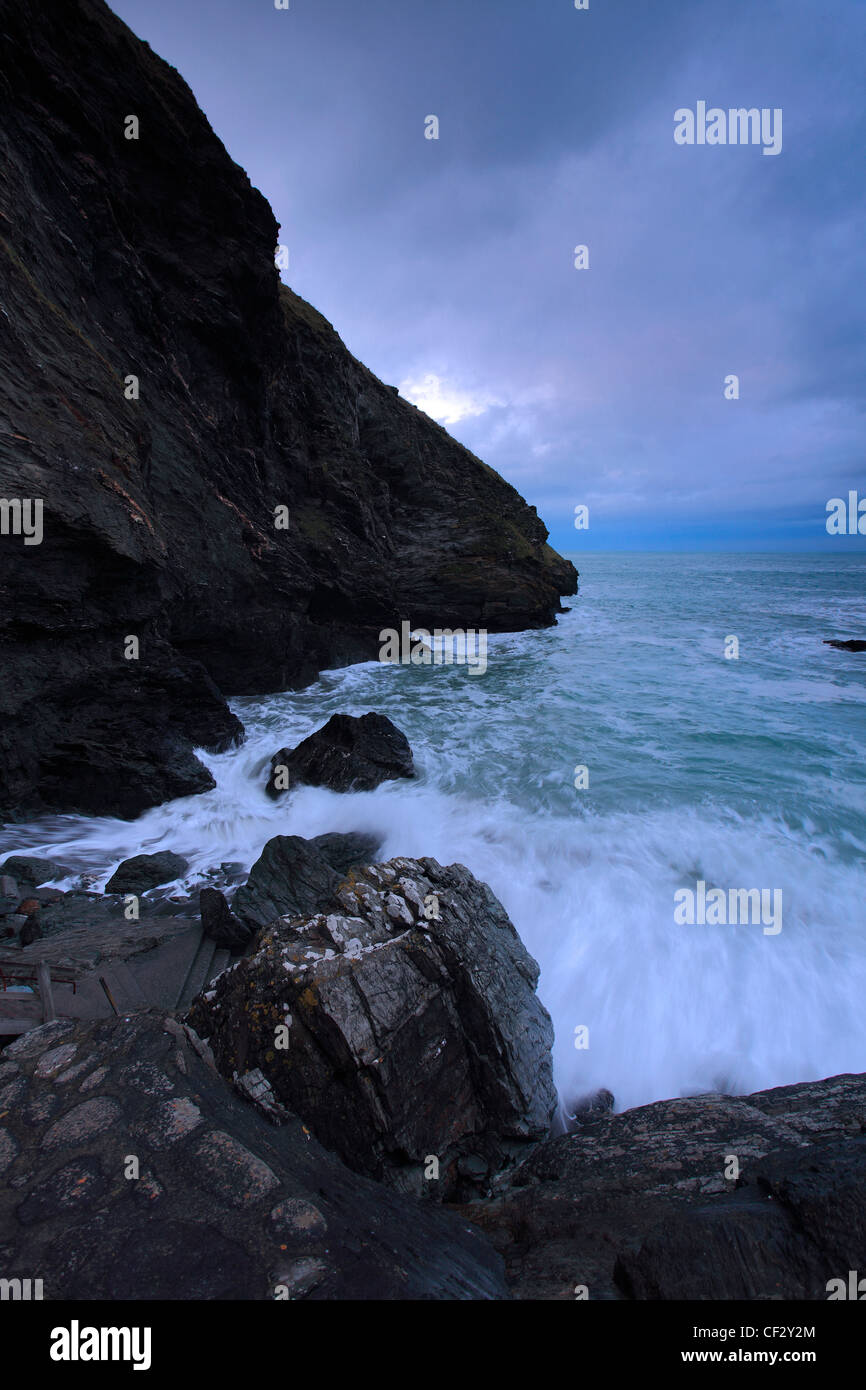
x=107, y=992
x=43, y=976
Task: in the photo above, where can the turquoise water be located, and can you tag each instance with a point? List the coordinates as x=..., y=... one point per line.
x=745, y=773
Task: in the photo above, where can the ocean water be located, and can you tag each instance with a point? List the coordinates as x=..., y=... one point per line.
x=744, y=773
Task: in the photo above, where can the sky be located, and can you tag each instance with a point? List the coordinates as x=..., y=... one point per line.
x=448, y=265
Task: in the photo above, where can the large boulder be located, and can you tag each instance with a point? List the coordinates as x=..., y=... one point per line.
x=226, y=1205
x=349, y=753
x=145, y=871
x=402, y=1027
x=29, y=871
x=290, y=878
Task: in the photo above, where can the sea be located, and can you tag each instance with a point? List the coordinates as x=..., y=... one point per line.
x=592, y=771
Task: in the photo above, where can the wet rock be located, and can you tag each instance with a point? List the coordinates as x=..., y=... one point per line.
x=394, y=1034
x=220, y=923
x=346, y=851
x=709, y=1197
x=290, y=878
x=854, y=645
x=587, y=1107
x=347, y=754
x=145, y=871
x=30, y=871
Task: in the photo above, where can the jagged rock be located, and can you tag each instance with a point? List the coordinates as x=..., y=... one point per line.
x=797, y=1222
x=648, y=1204
x=226, y=1205
x=81, y=915
x=412, y=1026
x=220, y=923
x=346, y=851
x=248, y=402
x=290, y=878
x=854, y=645
x=348, y=753
x=30, y=872
x=146, y=871
x=587, y=1107
x=259, y=1091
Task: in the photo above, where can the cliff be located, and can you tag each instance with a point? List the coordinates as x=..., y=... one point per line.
x=154, y=258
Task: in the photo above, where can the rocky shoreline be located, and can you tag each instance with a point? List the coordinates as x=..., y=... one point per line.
x=328, y=1078
x=357, y=1102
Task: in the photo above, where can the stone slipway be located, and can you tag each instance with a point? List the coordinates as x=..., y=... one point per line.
x=226, y=1205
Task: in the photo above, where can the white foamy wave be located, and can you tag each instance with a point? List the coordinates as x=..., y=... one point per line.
x=745, y=774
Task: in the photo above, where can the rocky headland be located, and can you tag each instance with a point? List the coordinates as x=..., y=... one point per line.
x=219, y=478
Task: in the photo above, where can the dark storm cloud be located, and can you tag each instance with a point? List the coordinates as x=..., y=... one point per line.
x=448, y=265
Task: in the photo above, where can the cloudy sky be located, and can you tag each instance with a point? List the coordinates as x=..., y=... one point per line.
x=448, y=265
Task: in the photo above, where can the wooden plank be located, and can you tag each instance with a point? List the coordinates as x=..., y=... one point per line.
x=43, y=976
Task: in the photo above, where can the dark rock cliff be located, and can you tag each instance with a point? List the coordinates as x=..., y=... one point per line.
x=154, y=258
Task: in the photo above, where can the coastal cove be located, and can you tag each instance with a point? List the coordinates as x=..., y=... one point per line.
x=742, y=774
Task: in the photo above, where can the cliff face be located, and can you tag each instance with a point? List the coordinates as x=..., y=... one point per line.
x=154, y=258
